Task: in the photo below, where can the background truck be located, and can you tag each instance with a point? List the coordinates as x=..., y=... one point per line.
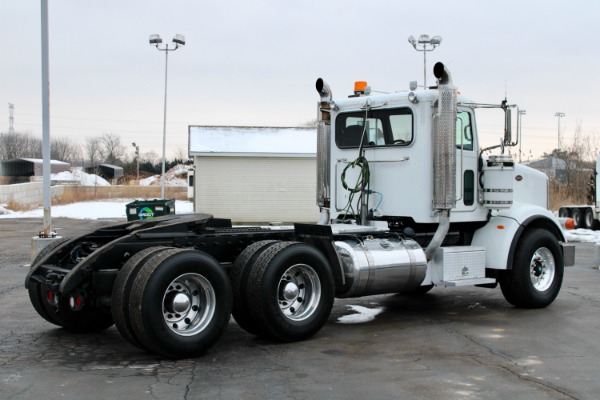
x=585, y=215
x=408, y=201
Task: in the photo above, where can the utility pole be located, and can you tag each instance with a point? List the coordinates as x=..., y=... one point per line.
x=137, y=158
x=11, y=118
x=559, y=115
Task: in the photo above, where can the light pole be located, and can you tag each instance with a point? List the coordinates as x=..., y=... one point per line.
x=156, y=40
x=137, y=158
x=46, y=122
x=559, y=115
x=521, y=113
x=423, y=42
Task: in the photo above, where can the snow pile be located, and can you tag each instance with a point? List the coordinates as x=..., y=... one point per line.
x=176, y=176
x=361, y=315
x=582, y=235
x=83, y=178
x=4, y=210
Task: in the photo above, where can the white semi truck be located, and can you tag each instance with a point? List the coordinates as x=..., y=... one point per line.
x=408, y=201
x=586, y=215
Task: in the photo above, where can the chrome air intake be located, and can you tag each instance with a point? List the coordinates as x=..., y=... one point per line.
x=380, y=265
x=323, y=144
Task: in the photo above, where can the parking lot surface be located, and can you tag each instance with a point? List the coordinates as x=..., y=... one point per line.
x=453, y=343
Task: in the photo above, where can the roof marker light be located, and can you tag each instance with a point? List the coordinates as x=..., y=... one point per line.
x=359, y=87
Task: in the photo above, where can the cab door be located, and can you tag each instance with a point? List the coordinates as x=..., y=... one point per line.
x=466, y=162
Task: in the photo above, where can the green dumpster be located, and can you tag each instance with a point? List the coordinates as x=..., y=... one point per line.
x=144, y=209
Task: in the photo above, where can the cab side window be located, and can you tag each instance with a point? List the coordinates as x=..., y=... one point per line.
x=464, y=131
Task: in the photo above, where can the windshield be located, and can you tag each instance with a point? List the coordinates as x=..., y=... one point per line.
x=389, y=127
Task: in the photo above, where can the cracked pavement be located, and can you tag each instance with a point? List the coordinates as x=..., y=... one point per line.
x=459, y=343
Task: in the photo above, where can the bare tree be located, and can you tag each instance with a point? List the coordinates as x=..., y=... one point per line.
x=571, y=181
x=181, y=154
x=149, y=157
x=93, y=149
x=19, y=145
x=64, y=149
x=113, y=149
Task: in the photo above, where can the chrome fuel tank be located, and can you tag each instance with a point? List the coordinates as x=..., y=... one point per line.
x=380, y=265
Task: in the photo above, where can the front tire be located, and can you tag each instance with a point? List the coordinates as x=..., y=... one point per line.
x=180, y=303
x=291, y=291
x=537, y=272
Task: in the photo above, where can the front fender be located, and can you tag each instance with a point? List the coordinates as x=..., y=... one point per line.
x=501, y=234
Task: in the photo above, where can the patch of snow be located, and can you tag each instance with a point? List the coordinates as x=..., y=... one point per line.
x=4, y=210
x=80, y=177
x=362, y=314
x=582, y=235
x=172, y=177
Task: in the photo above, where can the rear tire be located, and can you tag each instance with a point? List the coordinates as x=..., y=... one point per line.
x=86, y=320
x=122, y=291
x=37, y=298
x=239, y=283
x=537, y=273
x=564, y=213
x=577, y=218
x=291, y=291
x=38, y=301
x=180, y=303
x=590, y=221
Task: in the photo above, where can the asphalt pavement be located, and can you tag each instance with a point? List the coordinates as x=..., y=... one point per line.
x=453, y=343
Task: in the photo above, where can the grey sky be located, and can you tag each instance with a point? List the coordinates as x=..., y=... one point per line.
x=255, y=63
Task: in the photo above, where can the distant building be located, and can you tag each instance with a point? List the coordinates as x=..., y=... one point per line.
x=21, y=170
x=111, y=173
x=558, y=169
x=554, y=167
x=255, y=174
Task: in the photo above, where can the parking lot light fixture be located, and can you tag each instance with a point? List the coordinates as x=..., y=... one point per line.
x=156, y=40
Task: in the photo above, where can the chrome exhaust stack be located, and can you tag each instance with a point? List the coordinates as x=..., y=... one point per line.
x=444, y=155
x=323, y=149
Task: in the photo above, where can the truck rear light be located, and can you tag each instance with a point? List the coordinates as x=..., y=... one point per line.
x=51, y=297
x=76, y=302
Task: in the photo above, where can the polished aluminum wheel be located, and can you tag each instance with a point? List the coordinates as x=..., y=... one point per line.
x=189, y=304
x=299, y=292
x=542, y=269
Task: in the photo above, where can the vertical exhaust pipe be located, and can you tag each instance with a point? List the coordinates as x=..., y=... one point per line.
x=444, y=156
x=323, y=147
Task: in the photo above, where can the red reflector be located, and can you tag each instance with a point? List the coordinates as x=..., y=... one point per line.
x=78, y=301
x=570, y=224
x=49, y=295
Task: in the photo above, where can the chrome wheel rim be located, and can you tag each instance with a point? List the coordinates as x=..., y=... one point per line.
x=299, y=292
x=189, y=304
x=542, y=269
